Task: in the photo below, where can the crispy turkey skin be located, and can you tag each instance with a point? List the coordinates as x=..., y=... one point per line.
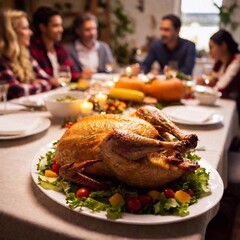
x=136, y=150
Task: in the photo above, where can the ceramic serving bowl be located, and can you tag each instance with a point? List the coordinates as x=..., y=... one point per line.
x=206, y=95
x=64, y=105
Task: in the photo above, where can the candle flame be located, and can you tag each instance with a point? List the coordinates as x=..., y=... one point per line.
x=128, y=69
x=85, y=103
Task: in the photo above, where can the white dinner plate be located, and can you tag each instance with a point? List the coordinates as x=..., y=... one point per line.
x=104, y=76
x=43, y=125
x=214, y=118
x=203, y=205
x=30, y=101
x=37, y=100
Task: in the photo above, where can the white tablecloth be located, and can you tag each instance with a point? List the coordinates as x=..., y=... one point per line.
x=26, y=213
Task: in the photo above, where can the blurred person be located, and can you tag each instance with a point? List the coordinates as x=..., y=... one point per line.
x=17, y=68
x=225, y=76
x=88, y=54
x=170, y=48
x=46, y=45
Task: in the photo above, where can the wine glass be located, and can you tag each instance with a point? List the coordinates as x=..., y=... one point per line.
x=173, y=65
x=3, y=94
x=171, y=69
x=109, y=67
x=64, y=75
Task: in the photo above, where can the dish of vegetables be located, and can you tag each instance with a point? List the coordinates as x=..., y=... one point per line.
x=186, y=198
x=66, y=99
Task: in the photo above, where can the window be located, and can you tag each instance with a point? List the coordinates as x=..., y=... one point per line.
x=199, y=21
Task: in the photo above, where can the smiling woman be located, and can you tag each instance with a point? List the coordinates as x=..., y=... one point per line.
x=23, y=31
x=226, y=71
x=16, y=66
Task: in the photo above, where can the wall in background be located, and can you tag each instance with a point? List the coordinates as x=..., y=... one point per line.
x=67, y=8
x=147, y=21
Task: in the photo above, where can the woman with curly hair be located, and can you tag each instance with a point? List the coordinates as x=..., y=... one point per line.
x=17, y=68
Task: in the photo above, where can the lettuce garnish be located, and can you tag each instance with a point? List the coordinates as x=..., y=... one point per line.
x=99, y=200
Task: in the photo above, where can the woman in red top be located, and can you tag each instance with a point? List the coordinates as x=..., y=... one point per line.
x=16, y=66
x=225, y=76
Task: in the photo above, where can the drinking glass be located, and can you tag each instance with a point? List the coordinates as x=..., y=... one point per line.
x=3, y=94
x=173, y=65
x=109, y=67
x=171, y=69
x=64, y=76
x=95, y=87
x=207, y=73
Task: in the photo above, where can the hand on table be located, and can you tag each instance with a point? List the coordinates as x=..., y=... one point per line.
x=206, y=80
x=54, y=82
x=155, y=72
x=136, y=69
x=87, y=73
x=200, y=80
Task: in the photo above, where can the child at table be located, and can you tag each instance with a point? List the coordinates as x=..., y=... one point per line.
x=16, y=66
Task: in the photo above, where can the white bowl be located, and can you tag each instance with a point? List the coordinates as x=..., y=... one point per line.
x=64, y=109
x=206, y=95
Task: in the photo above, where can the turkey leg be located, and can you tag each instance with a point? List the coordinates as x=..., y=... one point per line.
x=74, y=172
x=132, y=146
x=163, y=124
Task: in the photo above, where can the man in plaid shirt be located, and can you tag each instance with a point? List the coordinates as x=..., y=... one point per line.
x=46, y=47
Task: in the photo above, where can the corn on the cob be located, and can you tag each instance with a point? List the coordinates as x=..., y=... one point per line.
x=126, y=94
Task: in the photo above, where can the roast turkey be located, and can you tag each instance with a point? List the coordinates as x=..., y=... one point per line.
x=137, y=150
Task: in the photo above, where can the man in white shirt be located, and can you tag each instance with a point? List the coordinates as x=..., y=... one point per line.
x=88, y=54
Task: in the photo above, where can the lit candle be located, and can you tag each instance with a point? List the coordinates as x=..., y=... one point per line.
x=128, y=71
x=115, y=79
x=139, y=51
x=101, y=99
x=144, y=78
x=110, y=84
x=86, y=107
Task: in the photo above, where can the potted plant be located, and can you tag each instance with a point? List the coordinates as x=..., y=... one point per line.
x=226, y=14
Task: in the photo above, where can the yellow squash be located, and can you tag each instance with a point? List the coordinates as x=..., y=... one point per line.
x=126, y=94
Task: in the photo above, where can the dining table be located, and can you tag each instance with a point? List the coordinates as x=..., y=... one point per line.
x=27, y=213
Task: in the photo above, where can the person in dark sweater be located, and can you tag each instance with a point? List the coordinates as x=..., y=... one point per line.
x=170, y=47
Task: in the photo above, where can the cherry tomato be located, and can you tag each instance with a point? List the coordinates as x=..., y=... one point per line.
x=55, y=167
x=169, y=193
x=145, y=200
x=82, y=192
x=190, y=192
x=134, y=205
x=68, y=124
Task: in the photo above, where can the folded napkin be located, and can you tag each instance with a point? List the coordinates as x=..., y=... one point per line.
x=30, y=101
x=33, y=101
x=17, y=124
x=191, y=114
x=10, y=108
